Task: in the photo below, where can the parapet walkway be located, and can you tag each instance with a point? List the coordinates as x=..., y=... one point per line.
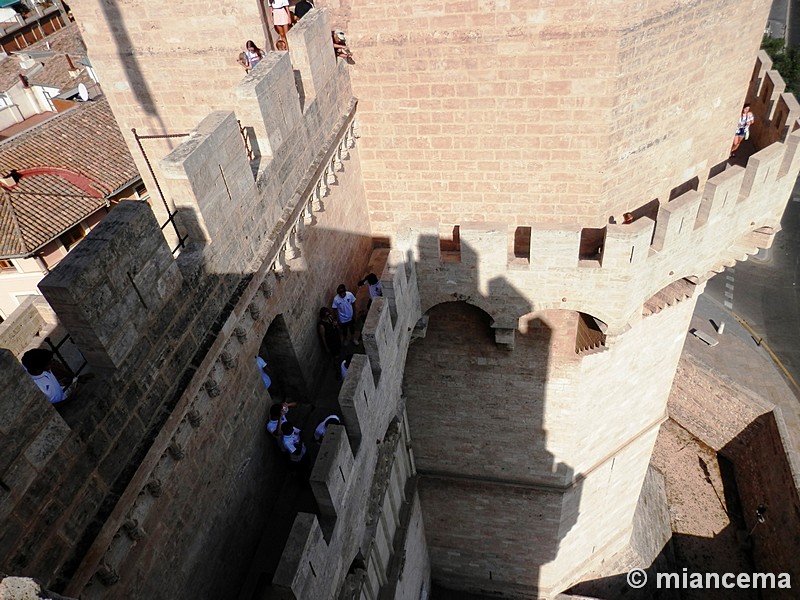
x=295, y=495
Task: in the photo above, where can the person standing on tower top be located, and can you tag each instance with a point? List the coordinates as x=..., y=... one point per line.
x=302, y=7
x=281, y=18
x=742, y=128
x=343, y=303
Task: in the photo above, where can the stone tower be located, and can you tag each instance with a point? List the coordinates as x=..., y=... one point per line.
x=501, y=143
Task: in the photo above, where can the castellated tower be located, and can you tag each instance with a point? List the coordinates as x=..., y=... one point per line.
x=479, y=157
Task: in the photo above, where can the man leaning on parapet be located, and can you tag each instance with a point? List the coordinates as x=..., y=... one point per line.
x=38, y=362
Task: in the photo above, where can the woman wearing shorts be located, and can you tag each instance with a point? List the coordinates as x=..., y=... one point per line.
x=742, y=128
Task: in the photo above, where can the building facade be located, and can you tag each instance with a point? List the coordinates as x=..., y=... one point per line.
x=498, y=429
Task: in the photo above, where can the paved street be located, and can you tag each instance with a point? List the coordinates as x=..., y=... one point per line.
x=765, y=290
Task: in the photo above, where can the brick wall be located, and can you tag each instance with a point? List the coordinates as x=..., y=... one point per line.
x=766, y=469
x=535, y=114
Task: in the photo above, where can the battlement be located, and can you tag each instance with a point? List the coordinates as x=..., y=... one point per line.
x=167, y=455
x=693, y=235
x=776, y=111
x=171, y=339
x=356, y=482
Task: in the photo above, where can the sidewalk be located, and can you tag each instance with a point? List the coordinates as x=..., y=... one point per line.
x=739, y=358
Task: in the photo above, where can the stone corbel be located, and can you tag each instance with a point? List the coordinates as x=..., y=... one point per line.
x=106, y=574
x=267, y=286
x=330, y=172
x=308, y=213
x=132, y=528
x=504, y=337
x=279, y=267
x=293, y=244
x=343, y=152
x=154, y=487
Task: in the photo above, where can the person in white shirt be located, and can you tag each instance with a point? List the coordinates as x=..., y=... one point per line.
x=264, y=372
x=322, y=428
x=374, y=285
x=38, y=362
x=343, y=303
x=345, y=366
x=290, y=439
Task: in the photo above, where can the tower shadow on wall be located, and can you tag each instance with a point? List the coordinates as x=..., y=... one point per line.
x=760, y=503
x=496, y=504
x=230, y=481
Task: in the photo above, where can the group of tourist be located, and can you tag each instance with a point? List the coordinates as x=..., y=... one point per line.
x=283, y=19
x=337, y=325
x=285, y=416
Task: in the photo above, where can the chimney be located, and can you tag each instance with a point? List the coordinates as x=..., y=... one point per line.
x=70, y=63
x=24, y=81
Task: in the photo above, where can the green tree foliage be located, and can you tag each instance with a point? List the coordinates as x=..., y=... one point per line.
x=785, y=60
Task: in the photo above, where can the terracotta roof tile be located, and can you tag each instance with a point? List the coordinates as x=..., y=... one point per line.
x=67, y=40
x=84, y=140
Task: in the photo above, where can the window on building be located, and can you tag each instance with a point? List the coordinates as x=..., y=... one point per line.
x=522, y=243
x=72, y=236
x=141, y=192
x=7, y=266
x=450, y=244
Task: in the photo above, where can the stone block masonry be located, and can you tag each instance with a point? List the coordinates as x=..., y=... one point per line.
x=168, y=455
x=502, y=142
x=532, y=113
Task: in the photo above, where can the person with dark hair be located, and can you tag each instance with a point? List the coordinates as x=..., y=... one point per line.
x=374, y=284
x=343, y=303
x=277, y=417
x=328, y=331
x=742, y=128
x=38, y=362
x=301, y=8
x=252, y=54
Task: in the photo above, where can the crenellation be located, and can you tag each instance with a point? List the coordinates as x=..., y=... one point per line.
x=628, y=246
x=263, y=106
x=376, y=335
x=762, y=170
x=354, y=400
x=676, y=219
x=174, y=460
x=333, y=472
x=104, y=319
x=310, y=51
x=296, y=572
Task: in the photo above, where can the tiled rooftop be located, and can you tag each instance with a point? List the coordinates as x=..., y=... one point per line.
x=84, y=139
x=64, y=41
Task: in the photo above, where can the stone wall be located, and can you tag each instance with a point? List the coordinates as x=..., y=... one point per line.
x=31, y=322
x=508, y=443
x=124, y=492
x=361, y=485
x=768, y=478
x=531, y=113
x=697, y=233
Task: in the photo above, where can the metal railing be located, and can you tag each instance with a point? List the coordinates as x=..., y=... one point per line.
x=56, y=349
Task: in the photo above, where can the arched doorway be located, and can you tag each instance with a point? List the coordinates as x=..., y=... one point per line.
x=279, y=352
